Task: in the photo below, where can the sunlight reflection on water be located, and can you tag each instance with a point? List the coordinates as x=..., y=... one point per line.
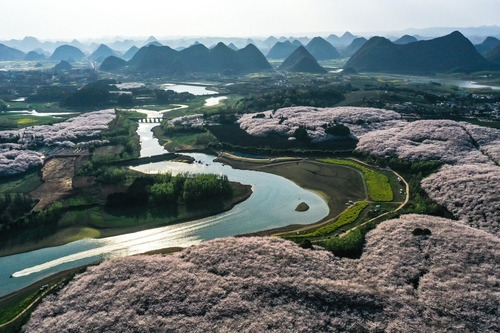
x=271, y=205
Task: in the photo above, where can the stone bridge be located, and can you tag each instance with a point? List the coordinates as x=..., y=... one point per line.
x=150, y=120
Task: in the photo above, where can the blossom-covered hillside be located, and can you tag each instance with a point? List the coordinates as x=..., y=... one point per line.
x=447, y=141
x=13, y=162
x=470, y=192
x=404, y=282
x=286, y=120
x=467, y=186
x=383, y=133
x=468, y=183
x=16, y=156
x=85, y=127
x=436, y=140
x=488, y=139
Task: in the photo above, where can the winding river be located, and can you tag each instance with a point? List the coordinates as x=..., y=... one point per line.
x=272, y=204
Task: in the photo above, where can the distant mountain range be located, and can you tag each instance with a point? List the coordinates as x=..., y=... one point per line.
x=301, y=61
x=130, y=53
x=120, y=44
x=34, y=56
x=113, y=64
x=474, y=34
x=63, y=66
x=452, y=52
x=320, y=49
x=101, y=53
x=494, y=55
x=232, y=46
x=406, y=39
x=487, y=45
x=68, y=53
x=355, y=45
x=341, y=41
x=281, y=50
x=9, y=53
x=407, y=54
x=196, y=58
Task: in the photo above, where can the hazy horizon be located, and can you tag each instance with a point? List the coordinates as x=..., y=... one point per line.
x=91, y=19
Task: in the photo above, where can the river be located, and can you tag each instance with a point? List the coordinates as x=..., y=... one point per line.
x=272, y=204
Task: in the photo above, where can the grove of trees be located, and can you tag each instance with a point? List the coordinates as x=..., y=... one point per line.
x=166, y=189
x=280, y=98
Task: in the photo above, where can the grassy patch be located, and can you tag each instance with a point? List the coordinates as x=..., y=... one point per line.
x=26, y=121
x=350, y=246
x=84, y=233
x=18, y=121
x=78, y=201
x=13, y=305
x=349, y=216
x=73, y=217
x=184, y=140
x=10, y=311
x=377, y=184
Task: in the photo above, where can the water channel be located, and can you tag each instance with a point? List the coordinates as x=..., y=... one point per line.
x=272, y=204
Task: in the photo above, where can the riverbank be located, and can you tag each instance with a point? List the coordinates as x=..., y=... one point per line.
x=25, y=300
x=324, y=179
x=321, y=178
x=85, y=229
x=21, y=303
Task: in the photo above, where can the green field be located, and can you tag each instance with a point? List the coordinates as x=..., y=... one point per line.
x=349, y=216
x=377, y=184
x=13, y=121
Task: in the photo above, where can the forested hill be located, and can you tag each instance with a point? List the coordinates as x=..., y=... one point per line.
x=101, y=53
x=301, y=61
x=452, y=52
x=281, y=50
x=68, y=53
x=494, y=55
x=197, y=59
x=321, y=49
x=8, y=53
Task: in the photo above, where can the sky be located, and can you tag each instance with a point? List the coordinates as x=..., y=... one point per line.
x=68, y=19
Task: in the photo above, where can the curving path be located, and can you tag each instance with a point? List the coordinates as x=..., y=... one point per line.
x=407, y=198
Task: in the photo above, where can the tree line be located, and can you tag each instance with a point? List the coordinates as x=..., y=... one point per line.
x=166, y=189
x=323, y=96
x=16, y=214
x=99, y=94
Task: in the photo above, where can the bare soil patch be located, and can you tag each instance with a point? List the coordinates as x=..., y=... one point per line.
x=57, y=176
